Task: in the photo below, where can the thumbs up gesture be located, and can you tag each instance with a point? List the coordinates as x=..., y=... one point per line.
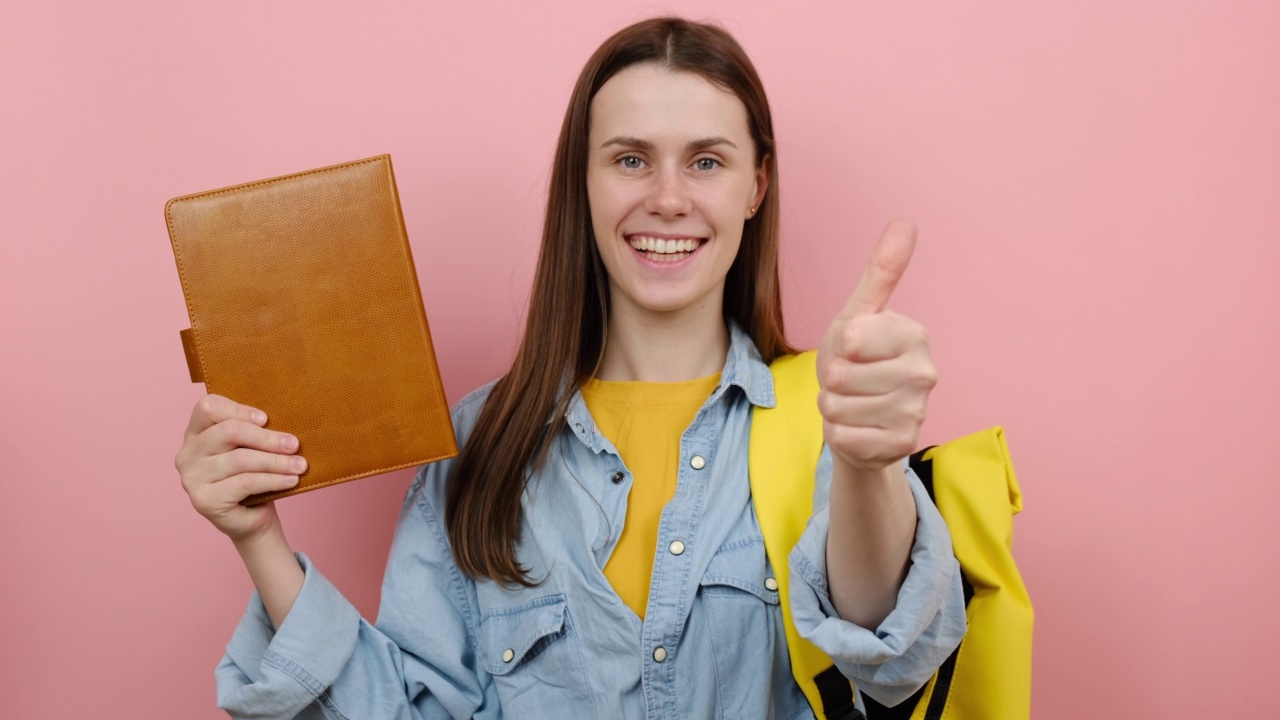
x=874, y=367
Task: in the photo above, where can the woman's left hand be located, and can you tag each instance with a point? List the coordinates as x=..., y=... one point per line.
x=874, y=367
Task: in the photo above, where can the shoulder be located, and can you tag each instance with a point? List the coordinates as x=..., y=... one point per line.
x=428, y=490
x=466, y=411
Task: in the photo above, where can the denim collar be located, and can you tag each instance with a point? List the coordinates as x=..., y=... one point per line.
x=743, y=368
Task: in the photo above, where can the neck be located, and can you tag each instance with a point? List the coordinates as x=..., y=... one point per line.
x=686, y=344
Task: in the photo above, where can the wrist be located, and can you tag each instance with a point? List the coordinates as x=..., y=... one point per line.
x=268, y=541
x=866, y=474
x=274, y=569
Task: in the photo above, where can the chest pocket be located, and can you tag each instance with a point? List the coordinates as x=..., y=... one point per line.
x=745, y=629
x=533, y=653
x=741, y=567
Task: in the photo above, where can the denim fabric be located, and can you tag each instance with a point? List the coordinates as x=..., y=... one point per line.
x=713, y=645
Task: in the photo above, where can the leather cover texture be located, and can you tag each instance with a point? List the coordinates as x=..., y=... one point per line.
x=304, y=302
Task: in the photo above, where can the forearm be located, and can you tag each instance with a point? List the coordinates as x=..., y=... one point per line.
x=274, y=570
x=873, y=523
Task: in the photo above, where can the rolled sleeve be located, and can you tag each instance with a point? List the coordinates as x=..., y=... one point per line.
x=325, y=661
x=893, y=660
x=270, y=674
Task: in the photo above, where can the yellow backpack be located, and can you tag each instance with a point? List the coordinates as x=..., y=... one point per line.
x=971, y=480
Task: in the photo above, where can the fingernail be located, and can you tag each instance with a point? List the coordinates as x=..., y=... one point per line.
x=291, y=480
x=297, y=463
x=289, y=442
x=259, y=417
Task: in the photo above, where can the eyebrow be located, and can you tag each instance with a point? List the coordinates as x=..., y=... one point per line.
x=693, y=146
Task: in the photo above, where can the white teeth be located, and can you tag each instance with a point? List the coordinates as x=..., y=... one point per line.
x=662, y=246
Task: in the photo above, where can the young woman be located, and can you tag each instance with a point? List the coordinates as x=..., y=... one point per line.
x=593, y=552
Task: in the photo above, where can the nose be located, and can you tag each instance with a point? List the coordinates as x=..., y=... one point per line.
x=668, y=196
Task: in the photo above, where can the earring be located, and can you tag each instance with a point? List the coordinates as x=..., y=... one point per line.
x=753, y=210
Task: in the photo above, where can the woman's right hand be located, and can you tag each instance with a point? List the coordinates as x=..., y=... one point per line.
x=226, y=456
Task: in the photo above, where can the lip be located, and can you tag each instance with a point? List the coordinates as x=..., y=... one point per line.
x=663, y=236
x=665, y=266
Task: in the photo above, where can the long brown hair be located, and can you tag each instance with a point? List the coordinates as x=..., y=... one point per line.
x=564, y=334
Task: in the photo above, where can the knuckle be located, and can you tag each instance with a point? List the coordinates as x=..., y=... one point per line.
x=826, y=403
x=850, y=335
x=243, y=486
x=207, y=405
x=231, y=432
x=831, y=375
x=205, y=504
x=917, y=330
x=930, y=375
x=904, y=444
x=925, y=375
x=234, y=462
x=200, y=500
x=920, y=413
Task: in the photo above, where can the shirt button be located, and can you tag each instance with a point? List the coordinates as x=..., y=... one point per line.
x=676, y=547
x=659, y=654
x=697, y=462
x=770, y=584
x=508, y=655
x=618, y=477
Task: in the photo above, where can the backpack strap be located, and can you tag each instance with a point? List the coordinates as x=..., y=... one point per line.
x=786, y=441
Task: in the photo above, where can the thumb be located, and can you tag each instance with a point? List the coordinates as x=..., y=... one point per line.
x=888, y=262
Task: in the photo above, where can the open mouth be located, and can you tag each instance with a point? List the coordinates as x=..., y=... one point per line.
x=664, y=249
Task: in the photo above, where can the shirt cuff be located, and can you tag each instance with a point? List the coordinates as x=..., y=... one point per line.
x=278, y=673
x=893, y=660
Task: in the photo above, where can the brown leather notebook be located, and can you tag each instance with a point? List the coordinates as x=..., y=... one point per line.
x=304, y=302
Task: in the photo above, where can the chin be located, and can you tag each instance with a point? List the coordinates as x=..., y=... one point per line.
x=669, y=304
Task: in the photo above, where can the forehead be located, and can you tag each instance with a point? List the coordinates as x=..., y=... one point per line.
x=650, y=102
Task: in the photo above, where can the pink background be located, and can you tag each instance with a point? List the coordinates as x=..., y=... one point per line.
x=1096, y=186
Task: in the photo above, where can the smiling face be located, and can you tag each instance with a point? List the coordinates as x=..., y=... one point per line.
x=671, y=178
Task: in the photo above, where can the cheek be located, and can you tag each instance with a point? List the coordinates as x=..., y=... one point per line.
x=603, y=203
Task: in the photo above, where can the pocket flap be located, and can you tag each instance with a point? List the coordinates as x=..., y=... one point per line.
x=510, y=635
x=742, y=566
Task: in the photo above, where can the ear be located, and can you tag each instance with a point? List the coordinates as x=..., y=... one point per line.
x=760, y=186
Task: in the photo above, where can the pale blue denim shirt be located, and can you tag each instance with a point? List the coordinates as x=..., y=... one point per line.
x=712, y=644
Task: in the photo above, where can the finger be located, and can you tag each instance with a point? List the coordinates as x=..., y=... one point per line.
x=872, y=447
x=242, y=486
x=231, y=434
x=218, y=497
x=845, y=377
x=864, y=411
x=888, y=262
x=870, y=338
x=245, y=460
x=892, y=411
x=213, y=409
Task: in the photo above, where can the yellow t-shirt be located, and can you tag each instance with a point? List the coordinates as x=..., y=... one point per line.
x=644, y=421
